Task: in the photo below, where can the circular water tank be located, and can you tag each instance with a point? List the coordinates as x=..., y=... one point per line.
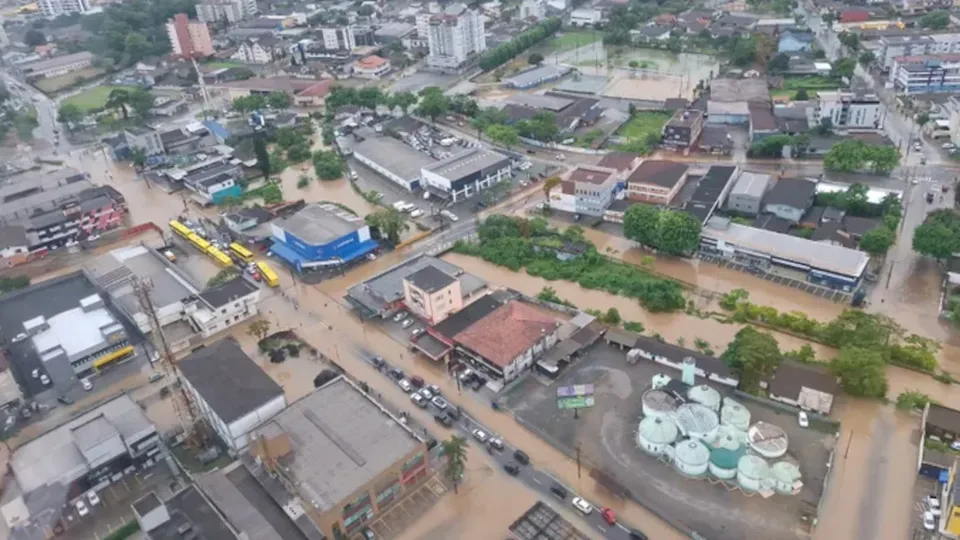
x=706, y=396
x=660, y=380
x=658, y=403
x=729, y=437
x=691, y=457
x=697, y=421
x=733, y=413
x=724, y=461
x=656, y=433
x=786, y=477
x=768, y=440
x=751, y=472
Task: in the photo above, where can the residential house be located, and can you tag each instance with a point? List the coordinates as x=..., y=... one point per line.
x=585, y=17
x=795, y=42
x=656, y=181
x=144, y=138
x=809, y=387
x=715, y=140
x=762, y=122
x=747, y=194
x=621, y=161
x=256, y=50
x=683, y=129
x=790, y=198
x=652, y=33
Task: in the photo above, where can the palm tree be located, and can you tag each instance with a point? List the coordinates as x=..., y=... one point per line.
x=455, y=450
x=118, y=99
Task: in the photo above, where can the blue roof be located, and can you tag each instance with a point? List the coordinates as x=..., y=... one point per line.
x=217, y=129
x=287, y=254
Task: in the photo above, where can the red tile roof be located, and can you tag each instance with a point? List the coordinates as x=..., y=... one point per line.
x=370, y=62
x=854, y=16
x=507, y=332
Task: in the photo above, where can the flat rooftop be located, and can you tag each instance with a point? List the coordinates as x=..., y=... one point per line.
x=386, y=287
x=395, y=156
x=190, y=508
x=592, y=175
x=340, y=440
x=114, y=272
x=55, y=456
x=74, y=331
x=56, y=62
x=817, y=255
x=468, y=162
x=321, y=223
x=537, y=101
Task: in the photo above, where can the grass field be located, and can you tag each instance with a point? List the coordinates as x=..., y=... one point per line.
x=569, y=40
x=54, y=84
x=93, y=98
x=640, y=131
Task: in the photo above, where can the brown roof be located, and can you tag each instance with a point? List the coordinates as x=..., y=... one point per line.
x=507, y=332
x=658, y=172
x=790, y=377
x=621, y=161
x=943, y=418
x=761, y=117
x=591, y=175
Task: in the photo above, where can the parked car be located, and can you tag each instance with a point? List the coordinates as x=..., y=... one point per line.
x=439, y=403
x=521, y=457
x=426, y=393
x=65, y=400
x=608, y=516
x=395, y=374
x=933, y=505
x=512, y=469
x=802, y=419
x=497, y=443
x=155, y=377
x=480, y=435
x=44, y=380
x=407, y=323
x=416, y=332
x=434, y=389
x=929, y=522
x=400, y=316
x=559, y=491
x=418, y=400
x=582, y=505
x=637, y=535
x=86, y=384
x=443, y=419
x=93, y=498
x=467, y=375
x=82, y=509
x=405, y=385
x=377, y=362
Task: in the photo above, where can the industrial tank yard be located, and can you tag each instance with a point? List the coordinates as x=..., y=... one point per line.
x=723, y=466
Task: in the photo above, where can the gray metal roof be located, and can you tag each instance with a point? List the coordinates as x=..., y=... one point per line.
x=321, y=223
x=751, y=184
x=431, y=279
x=394, y=156
x=468, y=162
x=387, y=287
x=341, y=439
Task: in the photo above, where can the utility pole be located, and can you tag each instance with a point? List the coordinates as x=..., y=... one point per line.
x=203, y=88
x=578, y=461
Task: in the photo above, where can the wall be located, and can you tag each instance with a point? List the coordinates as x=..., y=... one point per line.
x=328, y=251
x=437, y=306
x=785, y=212
x=239, y=429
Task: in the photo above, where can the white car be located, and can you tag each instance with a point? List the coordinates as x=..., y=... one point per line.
x=480, y=435
x=400, y=316
x=93, y=498
x=561, y=157
x=416, y=332
x=802, y=419
x=405, y=385
x=44, y=380
x=86, y=384
x=416, y=213
x=929, y=522
x=418, y=400
x=933, y=505
x=82, y=509
x=426, y=393
x=407, y=323
x=583, y=506
x=439, y=403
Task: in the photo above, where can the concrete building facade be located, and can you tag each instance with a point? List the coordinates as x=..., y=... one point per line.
x=850, y=110
x=455, y=36
x=926, y=74
x=189, y=39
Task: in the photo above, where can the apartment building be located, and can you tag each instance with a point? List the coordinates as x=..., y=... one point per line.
x=926, y=74
x=231, y=11
x=189, y=39
x=455, y=36
x=656, y=181
x=51, y=9
x=893, y=46
x=536, y=9
x=587, y=190
x=850, y=110
x=256, y=50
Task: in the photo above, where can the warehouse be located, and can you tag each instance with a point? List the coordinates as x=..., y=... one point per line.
x=393, y=159
x=321, y=235
x=466, y=173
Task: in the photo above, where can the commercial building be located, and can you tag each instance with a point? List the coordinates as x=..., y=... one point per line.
x=51, y=9
x=144, y=138
x=455, y=36
x=189, y=39
x=812, y=388
x=230, y=391
x=87, y=452
x=56, y=66
x=790, y=198
x=536, y=76
x=850, y=110
x=339, y=457
x=231, y=11
x=730, y=100
x=432, y=294
x=711, y=191
x=465, y=173
x=385, y=293
x=371, y=67
x=683, y=129
x=762, y=122
x=187, y=512
x=321, y=235
x=392, y=158
x=210, y=181
x=828, y=265
x=586, y=190
x=892, y=47
x=305, y=92
x=656, y=181
x=748, y=192
x=926, y=74
x=584, y=17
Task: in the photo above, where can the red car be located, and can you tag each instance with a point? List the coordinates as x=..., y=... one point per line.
x=608, y=516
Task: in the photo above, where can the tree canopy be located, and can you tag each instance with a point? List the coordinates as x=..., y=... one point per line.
x=390, y=222
x=671, y=231
x=327, y=164
x=852, y=155
x=129, y=31
x=844, y=67
x=503, y=135
x=433, y=103
x=935, y=20
x=939, y=234
x=878, y=240
x=754, y=356
x=503, y=53
x=862, y=372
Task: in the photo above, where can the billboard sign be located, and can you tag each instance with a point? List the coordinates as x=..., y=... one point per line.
x=578, y=396
x=575, y=390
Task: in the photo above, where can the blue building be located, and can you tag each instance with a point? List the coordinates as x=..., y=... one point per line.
x=321, y=235
x=795, y=42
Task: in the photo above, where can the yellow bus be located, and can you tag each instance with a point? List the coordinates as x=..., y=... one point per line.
x=269, y=276
x=199, y=242
x=180, y=228
x=112, y=356
x=245, y=254
x=220, y=257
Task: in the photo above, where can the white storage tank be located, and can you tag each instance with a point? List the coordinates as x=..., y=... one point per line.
x=724, y=461
x=768, y=440
x=660, y=380
x=706, y=396
x=733, y=413
x=729, y=437
x=691, y=457
x=751, y=472
x=697, y=421
x=786, y=477
x=658, y=403
x=655, y=433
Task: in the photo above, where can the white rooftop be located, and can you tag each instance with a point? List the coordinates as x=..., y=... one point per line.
x=75, y=331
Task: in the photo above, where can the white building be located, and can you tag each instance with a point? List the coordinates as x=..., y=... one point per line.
x=533, y=8
x=226, y=10
x=926, y=74
x=338, y=39
x=894, y=46
x=465, y=173
x=371, y=67
x=51, y=9
x=455, y=36
x=251, y=51
x=952, y=108
x=585, y=17
x=230, y=391
x=850, y=110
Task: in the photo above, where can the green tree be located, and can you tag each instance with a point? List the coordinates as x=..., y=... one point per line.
x=802, y=95
x=454, y=450
x=481, y=124
x=298, y=152
x=542, y=127
x=923, y=118
x=33, y=38
x=263, y=157
x=403, y=100
x=779, y=63
x=804, y=354
x=223, y=276
x=754, y=356
x=877, y=241
x=259, y=329
x=678, y=232
x=535, y=59
x=935, y=20
x=24, y=123
x=279, y=100
x=549, y=184
x=136, y=47
x=70, y=114
x=862, y=372
x=844, y=67
x=390, y=222
x=849, y=39
x=248, y=104
x=503, y=135
x=139, y=157
x=327, y=164
x=433, y=103
x=939, y=234
x=867, y=57
x=141, y=101
x=118, y=99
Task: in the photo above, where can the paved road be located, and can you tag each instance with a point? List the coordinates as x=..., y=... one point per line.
x=46, y=110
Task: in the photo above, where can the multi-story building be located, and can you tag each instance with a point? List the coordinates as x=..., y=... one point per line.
x=230, y=11
x=455, y=37
x=56, y=66
x=926, y=74
x=683, y=130
x=144, y=138
x=466, y=173
x=746, y=196
x=340, y=442
x=321, y=235
x=536, y=9
x=587, y=190
x=189, y=39
x=850, y=110
x=255, y=51
x=432, y=294
x=211, y=181
x=51, y=9
x=656, y=181
x=893, y=46
x=338, y=38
